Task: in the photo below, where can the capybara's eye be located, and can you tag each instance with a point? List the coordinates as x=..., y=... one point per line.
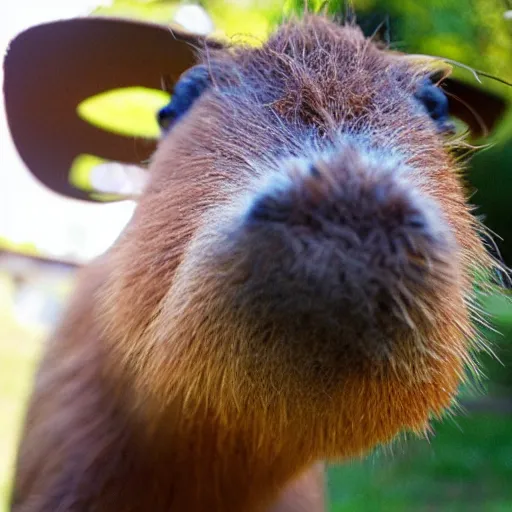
x=435, y=103
x=189, y=87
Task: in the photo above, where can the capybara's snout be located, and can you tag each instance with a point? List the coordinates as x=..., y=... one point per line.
x=346, y=243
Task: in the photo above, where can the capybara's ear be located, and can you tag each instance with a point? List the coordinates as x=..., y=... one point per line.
x=51, y=69
x=479, y=109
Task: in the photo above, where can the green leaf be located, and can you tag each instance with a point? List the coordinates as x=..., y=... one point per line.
x=129, y=111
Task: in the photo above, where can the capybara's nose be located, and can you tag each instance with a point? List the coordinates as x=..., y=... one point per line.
x=346, y=235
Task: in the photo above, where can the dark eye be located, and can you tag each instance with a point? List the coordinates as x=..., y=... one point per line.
x=435, y=103
x=188, y=88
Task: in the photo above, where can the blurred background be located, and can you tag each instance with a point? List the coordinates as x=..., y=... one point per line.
x=466, y=464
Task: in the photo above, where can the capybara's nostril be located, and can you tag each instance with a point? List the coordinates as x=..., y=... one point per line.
x=271, y=207
x=315, y=172
x=415, y=220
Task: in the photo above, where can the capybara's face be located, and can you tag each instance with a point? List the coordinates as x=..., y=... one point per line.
x=304, y=250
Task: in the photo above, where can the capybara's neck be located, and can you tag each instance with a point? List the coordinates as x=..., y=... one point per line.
x=197, y=450
x=179, y=461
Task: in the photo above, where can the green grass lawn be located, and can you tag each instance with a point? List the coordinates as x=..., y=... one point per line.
x=19, y=349
x=466, y=466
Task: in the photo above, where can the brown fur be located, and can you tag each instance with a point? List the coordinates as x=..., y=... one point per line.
x=180, y=379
